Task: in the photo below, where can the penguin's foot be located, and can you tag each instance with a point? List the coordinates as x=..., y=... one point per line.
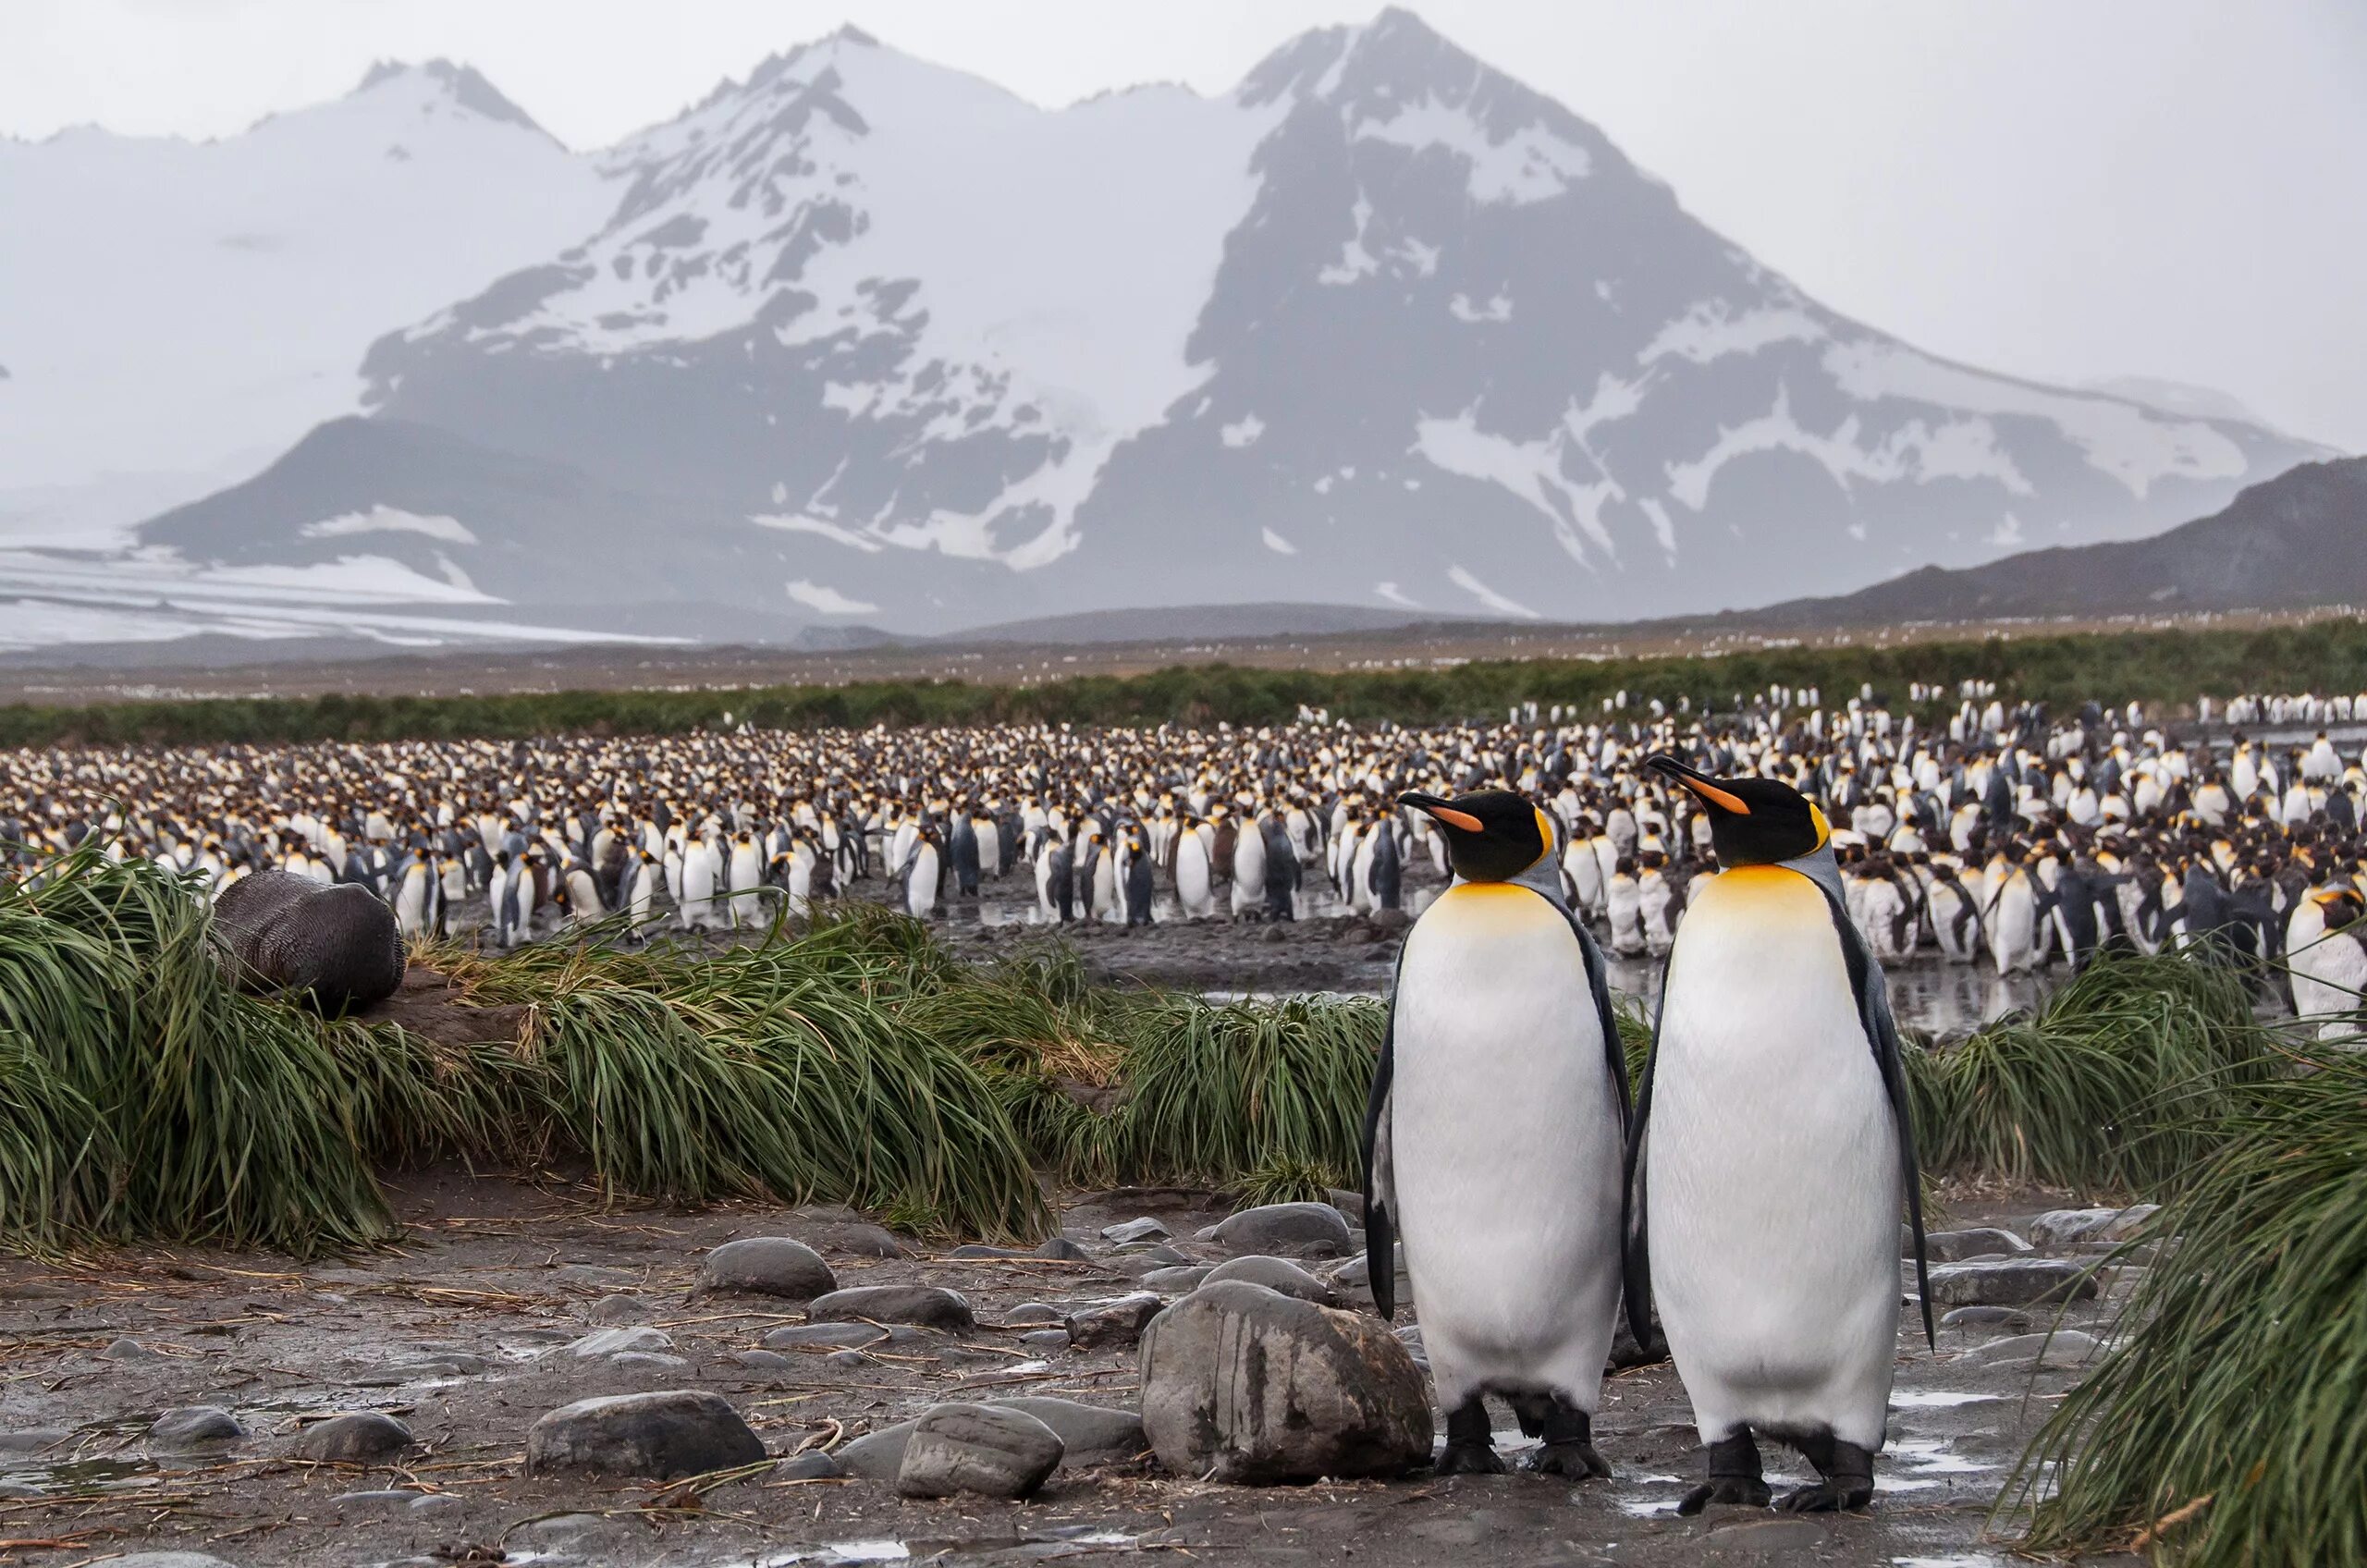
x=1734, y=1477
x=1844, y=1478
x=1470, y=1442
x=1470, y=1459
x=1569, y=1444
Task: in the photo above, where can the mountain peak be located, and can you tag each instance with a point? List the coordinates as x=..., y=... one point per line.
x=465, y=85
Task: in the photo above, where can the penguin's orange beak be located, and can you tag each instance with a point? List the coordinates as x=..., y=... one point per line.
x=1701, y=785
x=1432, y=806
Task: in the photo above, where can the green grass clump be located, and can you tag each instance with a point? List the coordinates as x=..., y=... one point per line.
x=2118, y=1085
x=2243, y=1366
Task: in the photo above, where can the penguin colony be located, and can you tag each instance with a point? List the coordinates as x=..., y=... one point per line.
x=2002, y=837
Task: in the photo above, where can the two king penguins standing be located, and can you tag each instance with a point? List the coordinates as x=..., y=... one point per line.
x=1753, y=1186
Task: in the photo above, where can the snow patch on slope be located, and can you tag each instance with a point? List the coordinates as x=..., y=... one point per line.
x=1487, y=595
x=1712, y=330
x=830, y=601
x=388, y=519
x=1531, y=165
x=1959, y=448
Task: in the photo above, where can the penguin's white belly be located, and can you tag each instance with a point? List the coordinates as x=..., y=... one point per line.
x=1773, y=1171
x=1504, y=1148
x=1192, y=877
x=2329, y=974
x=2013, y=926
x=1249, y=869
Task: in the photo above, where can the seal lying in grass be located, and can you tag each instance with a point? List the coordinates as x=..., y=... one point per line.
x=337, y=945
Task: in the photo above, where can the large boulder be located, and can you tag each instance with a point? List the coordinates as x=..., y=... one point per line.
x=1089, y=1433
x=361, y=1436
x=1112, y=1324
x=1293, y=1229
x=2015, y=1281
x=926, y=1307
x=994, y=1450
x=654, y=1437
x=194, y=1428
x=768, y=1266
x=338, y=947
x=1247, y=1385
x=1275, y=1274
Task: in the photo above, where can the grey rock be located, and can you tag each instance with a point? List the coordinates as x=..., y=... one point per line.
x=2125, y=1224
x=1175, y=1281
x=974, y=1252
x=609, y=1342
x=846, y=1358
x=1350, y=1204
x=593, y=1274
x=47, y=1439
x=991, y=1450
x=361, y=1437
x=650, y=1436
x=168, y=1560
x=1143, y=1230
x=444, y=1364
x=1296, y=1230
x=1161, y=1254
x=1955, y=1246
x=1241, y=1384
x=837, y=1336
x=1089, y=1434
x=436, y=1505
x=337, y=946
x=1062, y=1250
x=2021, y=1281
x=1276, y=1274
x=856, y=1238
x=648, y=1361
x=877, y=1456
x=193, y=1427
x=1112, y=1324
x=930, y=1306
x=2059, y=1226
x=770, y=1266
x=1047, y=1342
x=1972, y=1321
x=1032, y=1312
x=375, y=1503
x=811, y=1465
x=2064, y=1348
x=764, y=1361
x=621, y=1310
x=130, y=1351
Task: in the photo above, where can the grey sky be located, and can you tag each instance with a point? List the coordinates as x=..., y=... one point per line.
x=2065, y=189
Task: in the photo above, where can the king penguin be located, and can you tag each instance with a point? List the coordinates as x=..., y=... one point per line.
x=1771, y=1143
x=1493, y=1142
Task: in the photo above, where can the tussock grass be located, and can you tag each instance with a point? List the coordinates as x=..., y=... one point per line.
x=2244, y=1366
x=2119, y=1084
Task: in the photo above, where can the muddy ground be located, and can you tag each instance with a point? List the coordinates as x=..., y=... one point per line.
x=462, y=1333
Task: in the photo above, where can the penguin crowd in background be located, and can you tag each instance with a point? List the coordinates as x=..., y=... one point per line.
x=1965, y=829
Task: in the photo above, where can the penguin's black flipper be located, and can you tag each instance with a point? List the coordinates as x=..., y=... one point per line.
x=1381, y=1226
x=1881, y=1034
x=1635, y=1274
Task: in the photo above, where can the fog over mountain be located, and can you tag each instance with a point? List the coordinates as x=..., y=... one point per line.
x=860, y=340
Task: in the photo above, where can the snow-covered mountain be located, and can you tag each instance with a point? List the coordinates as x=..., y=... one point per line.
x=864, y=340
x=175, y=315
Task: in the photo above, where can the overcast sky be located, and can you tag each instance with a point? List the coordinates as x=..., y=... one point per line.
x=2065, y=189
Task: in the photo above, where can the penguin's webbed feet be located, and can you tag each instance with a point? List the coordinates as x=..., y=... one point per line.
x=1734, y=1477
x=1470, y=1442
x=1569, y=1450
x=1844, y=1478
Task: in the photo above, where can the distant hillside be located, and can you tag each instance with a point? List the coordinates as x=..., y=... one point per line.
x=1173, y=623
x=2293, y=541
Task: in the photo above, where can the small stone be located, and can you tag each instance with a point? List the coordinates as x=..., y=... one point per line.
x=1161, y=1256
x=877, y=1456
x=444, y=1364
x=930, y=1306
x=2063, y=1348
x=1955, y=1246
x=2125, y=1224
x=857, y=1238
x=1274, y=936
x=1276, y=1274
x=608, y=1341
x=2059, y=1226
x=358, y=1438
x=1972, y=1321
x=43, y=1439
x=764, y=1361
x=375, y=1502
x=593, y=1274
x=991, y=1450
x=1113, y=1325
x=1143, y=1230
x=811, y=1465
x=2019, y=1281
x=974, y=1251
x=619, y=1310
x=436, y=1504
x=1298, y=1230
x=648, y=1361
x=837, y=1336
x=167, y=1559
x=1062, y=1250
x=846, y=1358
x=651, y=1435
x=1174, y=1281
x=769, y=1265
x=194, y=1427
x=1244, y=1385
x=1089, y=1434
x=1349, y=1204
x=130, y=1351
x=1047, y=1342
x=1032, y=1312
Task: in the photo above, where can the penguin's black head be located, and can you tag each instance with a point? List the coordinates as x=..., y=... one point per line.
x=1491, y=835
x=2340, y=907
x=1752, y=821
